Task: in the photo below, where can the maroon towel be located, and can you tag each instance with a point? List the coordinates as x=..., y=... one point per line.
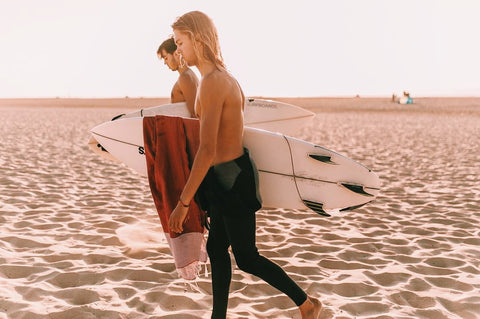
x=170, y=147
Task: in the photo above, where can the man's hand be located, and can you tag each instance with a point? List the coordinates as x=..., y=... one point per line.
x=178, y=218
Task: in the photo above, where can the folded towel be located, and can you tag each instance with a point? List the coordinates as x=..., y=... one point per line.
x=170, y=147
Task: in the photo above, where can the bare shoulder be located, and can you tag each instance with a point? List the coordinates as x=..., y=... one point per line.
x=188, y=77
x=215, y=78
x=221, y=83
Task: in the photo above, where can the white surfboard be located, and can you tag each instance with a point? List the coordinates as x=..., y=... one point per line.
x=264, y=114
x=293, y=174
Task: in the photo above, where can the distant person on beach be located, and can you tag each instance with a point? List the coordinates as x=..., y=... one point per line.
x=185, y=89
x=223, y=173
x=405, y=99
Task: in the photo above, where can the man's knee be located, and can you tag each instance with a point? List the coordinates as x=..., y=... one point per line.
x=246, y=261
x=214, y=249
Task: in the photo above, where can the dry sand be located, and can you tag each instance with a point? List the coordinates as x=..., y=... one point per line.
x=80, y=238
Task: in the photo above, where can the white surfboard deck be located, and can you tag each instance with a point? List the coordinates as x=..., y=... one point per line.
x=293, y=174
x=264, y=114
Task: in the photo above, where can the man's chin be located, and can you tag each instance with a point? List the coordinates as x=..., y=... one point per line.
x=190, y=62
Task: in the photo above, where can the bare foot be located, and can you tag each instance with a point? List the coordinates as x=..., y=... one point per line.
x=311, y=308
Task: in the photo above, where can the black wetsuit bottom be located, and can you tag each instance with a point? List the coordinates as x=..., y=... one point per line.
x=230, y=195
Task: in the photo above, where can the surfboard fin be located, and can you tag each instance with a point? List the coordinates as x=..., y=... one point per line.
x=353, y=207
x=322, y=158
x=101, y=147
x=117, y=117
x=356, y=189
x=316, y=207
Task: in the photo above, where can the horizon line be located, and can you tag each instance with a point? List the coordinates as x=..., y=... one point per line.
x=249, y=96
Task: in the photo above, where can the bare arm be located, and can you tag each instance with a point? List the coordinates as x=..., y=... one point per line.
x=188, y=85
x=211, y=99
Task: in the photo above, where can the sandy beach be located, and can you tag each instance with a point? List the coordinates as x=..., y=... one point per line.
x=80, y=237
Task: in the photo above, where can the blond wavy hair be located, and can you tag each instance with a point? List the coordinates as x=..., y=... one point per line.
x=200, y=28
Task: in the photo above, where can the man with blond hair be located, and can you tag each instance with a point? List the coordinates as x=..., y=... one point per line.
x=223, y=173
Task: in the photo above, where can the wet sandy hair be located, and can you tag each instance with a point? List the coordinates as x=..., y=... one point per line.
x=200, y=28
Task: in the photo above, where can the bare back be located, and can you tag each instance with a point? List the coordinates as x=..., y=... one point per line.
x=229, y=107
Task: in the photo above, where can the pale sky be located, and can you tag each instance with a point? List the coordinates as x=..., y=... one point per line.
x=107, y=48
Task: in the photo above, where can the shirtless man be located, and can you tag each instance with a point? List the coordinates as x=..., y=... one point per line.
x=225, y=167
x=185, y=89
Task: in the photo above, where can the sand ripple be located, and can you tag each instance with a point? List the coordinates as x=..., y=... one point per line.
x=79, y=237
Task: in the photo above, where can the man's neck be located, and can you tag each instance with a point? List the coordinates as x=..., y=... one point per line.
x=182, y=69
x=206, y=67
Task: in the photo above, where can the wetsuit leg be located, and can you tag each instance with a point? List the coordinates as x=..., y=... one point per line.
x=217, y=248
x=232, y=223
x=241, y=234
